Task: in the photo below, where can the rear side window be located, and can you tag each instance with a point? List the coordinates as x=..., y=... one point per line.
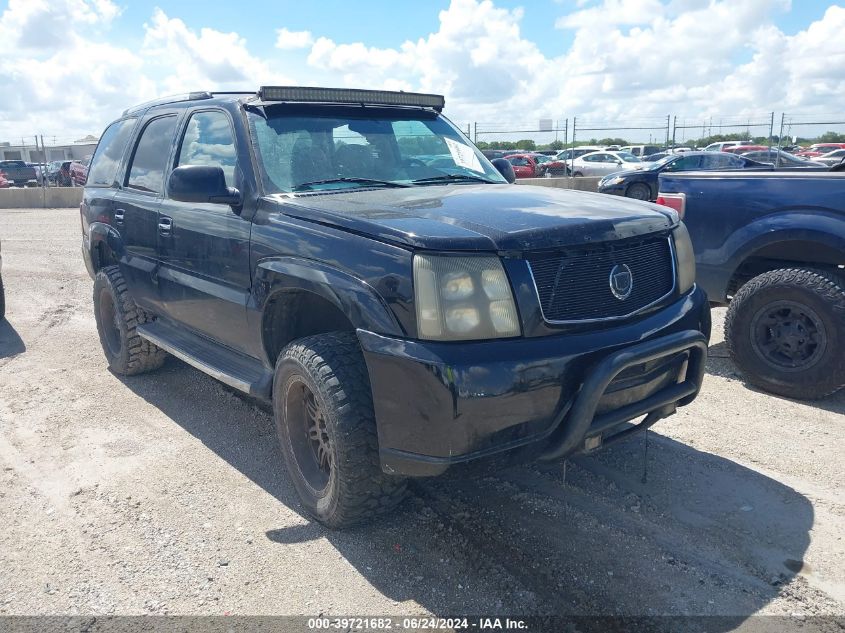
x=109, y=152
x=150, y=159
x=208, y=140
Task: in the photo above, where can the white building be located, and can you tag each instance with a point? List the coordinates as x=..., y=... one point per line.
x=82, y=148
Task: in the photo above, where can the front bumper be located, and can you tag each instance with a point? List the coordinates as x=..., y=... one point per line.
x=442, y=404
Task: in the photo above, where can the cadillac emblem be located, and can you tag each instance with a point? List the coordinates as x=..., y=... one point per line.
x=621, y=281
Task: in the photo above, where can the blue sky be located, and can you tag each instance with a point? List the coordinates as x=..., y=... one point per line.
x=72, y=65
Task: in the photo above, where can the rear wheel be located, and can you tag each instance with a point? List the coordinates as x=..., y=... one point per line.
x=117, y=318
x=784, y=330
x=638, y=191
x=323, y=410
x=577, y=174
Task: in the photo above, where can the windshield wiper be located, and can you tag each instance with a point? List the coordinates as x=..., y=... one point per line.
x=361, y=181
x=451, y=177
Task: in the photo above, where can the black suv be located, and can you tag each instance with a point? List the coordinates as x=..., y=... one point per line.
x=402, y=319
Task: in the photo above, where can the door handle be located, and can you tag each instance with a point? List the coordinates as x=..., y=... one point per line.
x=165, y=224
x=118, y=216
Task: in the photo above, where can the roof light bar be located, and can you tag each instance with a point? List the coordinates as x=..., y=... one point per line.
x=346, y=95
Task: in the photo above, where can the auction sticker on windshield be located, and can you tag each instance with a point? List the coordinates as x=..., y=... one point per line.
x=463, y=155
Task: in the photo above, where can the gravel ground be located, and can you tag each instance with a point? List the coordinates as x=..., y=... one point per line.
x=166, y=493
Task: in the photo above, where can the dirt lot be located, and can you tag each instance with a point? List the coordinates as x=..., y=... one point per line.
x=166, y=493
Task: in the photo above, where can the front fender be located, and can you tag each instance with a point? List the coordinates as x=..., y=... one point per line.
x=805, y=225
x=361, y=304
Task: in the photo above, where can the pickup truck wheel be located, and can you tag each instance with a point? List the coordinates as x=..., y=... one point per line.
x=117, y=318
x=638, y=191
x=324, y=417
x=784, y=331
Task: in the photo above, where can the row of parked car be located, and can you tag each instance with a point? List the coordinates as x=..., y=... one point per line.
x=57, y=173
x=636, y=175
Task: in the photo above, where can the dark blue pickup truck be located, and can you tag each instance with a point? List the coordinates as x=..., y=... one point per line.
x=772, y=247
x=403, y=318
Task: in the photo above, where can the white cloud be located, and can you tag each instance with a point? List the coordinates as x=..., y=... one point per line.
x=202, y=60
x=628, y=59
x=290, y=40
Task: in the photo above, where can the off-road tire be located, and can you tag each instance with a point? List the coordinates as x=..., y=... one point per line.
x=127, y=353
x=638, y=187
x=332, y=367
x=2, y=301
x=824, y=294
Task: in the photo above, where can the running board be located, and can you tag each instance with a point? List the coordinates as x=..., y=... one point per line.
x=221, y=363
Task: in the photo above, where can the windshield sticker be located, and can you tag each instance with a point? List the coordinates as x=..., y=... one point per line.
x=463, y=155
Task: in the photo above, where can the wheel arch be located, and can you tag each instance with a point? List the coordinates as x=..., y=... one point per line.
x=806, y=248
x=298, y=297
x=105, y=245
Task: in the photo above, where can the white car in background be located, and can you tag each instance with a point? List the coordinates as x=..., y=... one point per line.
x=603, y=163
x=831, y=158
x=721, y=145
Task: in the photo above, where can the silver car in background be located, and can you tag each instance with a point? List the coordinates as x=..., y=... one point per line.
x=604, y=163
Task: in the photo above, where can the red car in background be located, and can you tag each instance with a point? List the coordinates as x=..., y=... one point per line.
x=819, y=148
x=79, y=172
x=524, y=165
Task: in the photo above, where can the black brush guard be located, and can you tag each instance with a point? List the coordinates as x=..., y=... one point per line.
x=581, y=423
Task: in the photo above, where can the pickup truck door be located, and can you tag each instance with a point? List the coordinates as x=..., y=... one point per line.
x=136, y=205
x=204, y=279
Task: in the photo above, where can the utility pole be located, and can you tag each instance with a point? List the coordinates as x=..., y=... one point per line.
x=475, y=132
x=771, y=129
x=674, y=129
x=667, y=130
x=780, y=137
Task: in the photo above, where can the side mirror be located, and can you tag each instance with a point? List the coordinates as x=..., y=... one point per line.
x=618, y=162
x=505, y=168
x=202, y=184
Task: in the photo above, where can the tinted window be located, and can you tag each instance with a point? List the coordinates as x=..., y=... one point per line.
x=208, y=141
x=720, y=160
x=685, y=163
x=150, y=160
x=109, y=152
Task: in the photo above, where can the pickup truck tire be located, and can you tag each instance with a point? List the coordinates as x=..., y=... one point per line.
x=323, y=410
x=638, y=191
x=785, y=331
x=117, y=318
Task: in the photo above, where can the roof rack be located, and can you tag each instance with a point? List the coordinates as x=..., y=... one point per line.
x=190, y=96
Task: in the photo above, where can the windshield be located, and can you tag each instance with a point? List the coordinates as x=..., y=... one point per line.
x=341, y=148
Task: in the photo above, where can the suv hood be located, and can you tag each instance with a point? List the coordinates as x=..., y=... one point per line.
x=479, y=217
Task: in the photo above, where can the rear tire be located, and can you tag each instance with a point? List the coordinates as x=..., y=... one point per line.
x=784, y=330
x=117, y=318
x=578, y=174
x=323, y=409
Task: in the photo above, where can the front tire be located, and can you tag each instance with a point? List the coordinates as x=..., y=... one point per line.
x=784, y=330
x=638, y=191
x=323, y=409
x=117, y=318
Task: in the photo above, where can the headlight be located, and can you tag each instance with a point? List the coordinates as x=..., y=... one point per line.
x=463, y=298
x=612, y=180
x=685, y=258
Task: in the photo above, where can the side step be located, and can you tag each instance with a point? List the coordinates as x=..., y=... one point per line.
x=226, y=365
